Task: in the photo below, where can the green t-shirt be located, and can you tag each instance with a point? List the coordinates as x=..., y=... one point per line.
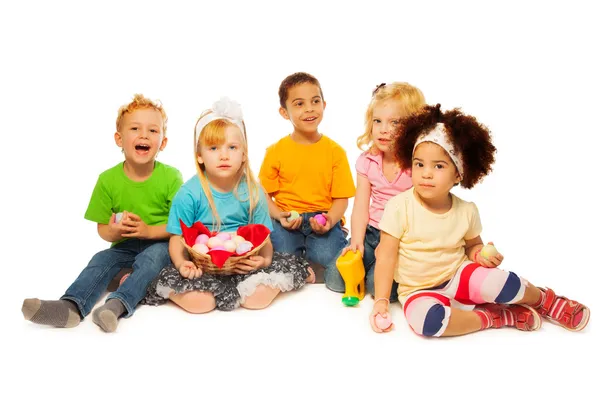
x=150, y=199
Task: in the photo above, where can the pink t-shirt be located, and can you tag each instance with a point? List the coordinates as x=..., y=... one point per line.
x=371, y=167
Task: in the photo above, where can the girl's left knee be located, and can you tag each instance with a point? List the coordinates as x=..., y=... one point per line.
x=262, y=297
x=498, y=286
x=194, y=302
x=435, y=321
x=427, y=316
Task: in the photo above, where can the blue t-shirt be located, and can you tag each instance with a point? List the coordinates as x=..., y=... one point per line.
x=191, y=205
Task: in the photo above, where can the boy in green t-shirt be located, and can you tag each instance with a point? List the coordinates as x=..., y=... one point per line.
x=130, y=203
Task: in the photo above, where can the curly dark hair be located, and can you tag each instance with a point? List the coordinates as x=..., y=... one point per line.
x=294, y=80
x=470, y=138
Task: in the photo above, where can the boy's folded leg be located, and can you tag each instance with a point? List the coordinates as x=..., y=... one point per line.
x=94, y=279
x=334, y=280
x=146, y=268
x=58, y=313
x=324, y=250
x=284, y=241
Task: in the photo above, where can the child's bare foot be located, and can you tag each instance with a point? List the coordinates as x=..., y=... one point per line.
x=311, y=277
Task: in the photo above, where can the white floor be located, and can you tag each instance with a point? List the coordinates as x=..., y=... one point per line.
x=307, y=344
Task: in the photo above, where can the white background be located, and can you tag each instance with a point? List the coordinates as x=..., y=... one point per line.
x=527, y=70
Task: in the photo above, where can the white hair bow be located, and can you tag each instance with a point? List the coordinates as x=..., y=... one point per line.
x=226, y=109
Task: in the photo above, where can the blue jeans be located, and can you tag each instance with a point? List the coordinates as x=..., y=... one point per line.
x=372, y=236
x=320, y=249
x=147, y=257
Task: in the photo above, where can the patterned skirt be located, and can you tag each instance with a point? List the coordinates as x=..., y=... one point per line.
x=286, y=272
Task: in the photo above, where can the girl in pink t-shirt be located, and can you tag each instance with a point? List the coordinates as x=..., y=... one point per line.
x=379, y=176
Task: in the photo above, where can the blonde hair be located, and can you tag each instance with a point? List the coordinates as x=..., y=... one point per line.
x=213, y=134
x=410, y=97
x=141, y=102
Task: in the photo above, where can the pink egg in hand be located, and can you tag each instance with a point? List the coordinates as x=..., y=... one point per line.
x=202, y=239
x=321, y=220
x=244, y=247
x=383, y=323
x=223, y=236
x=214, y=242
x=230, y=245
x=200, y=248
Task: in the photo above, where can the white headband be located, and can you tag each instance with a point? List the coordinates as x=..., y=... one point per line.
x=226, y=109
x=439, y=136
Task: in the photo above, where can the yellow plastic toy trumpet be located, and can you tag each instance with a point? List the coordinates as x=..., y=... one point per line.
x=352, y=270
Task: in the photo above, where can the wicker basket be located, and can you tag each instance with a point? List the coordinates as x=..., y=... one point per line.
x=204, y=261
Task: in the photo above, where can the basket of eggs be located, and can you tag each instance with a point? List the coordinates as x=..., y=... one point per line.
x=218, y=252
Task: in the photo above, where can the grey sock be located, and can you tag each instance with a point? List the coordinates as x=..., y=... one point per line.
x=107, y=316
x=59, y=313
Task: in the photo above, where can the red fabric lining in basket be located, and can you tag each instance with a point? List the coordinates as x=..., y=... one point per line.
x=254, y=233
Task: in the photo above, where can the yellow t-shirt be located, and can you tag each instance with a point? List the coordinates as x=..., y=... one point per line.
x=432, y=246
x=306, y=177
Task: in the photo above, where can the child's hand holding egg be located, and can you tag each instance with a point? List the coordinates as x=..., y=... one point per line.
x=489, y=256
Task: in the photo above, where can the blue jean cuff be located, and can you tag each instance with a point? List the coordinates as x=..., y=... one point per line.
x=77, y=303
x=129, y=310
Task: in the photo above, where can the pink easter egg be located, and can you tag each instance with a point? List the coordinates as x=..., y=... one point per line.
x=200, y=248
x=321, y=220
x=224, y=236
x=243, y=247
x=383, y=323
x=218, y=248
x=230, y=245
x=214, y=242
x=202, y=239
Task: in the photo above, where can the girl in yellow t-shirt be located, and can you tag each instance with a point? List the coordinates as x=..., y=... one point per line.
x=448, y=284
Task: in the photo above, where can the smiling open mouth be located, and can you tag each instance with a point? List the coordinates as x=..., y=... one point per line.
x=142, y=147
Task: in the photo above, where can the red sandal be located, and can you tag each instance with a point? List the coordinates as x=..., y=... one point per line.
x=569, y=314
x=521, y=316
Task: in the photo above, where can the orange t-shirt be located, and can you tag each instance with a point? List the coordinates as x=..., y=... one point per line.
x=306, y=177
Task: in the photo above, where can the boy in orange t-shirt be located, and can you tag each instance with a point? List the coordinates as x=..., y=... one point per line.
x=307, y=172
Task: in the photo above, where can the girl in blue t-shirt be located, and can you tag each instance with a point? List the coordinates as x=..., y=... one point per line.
x=223, y=196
